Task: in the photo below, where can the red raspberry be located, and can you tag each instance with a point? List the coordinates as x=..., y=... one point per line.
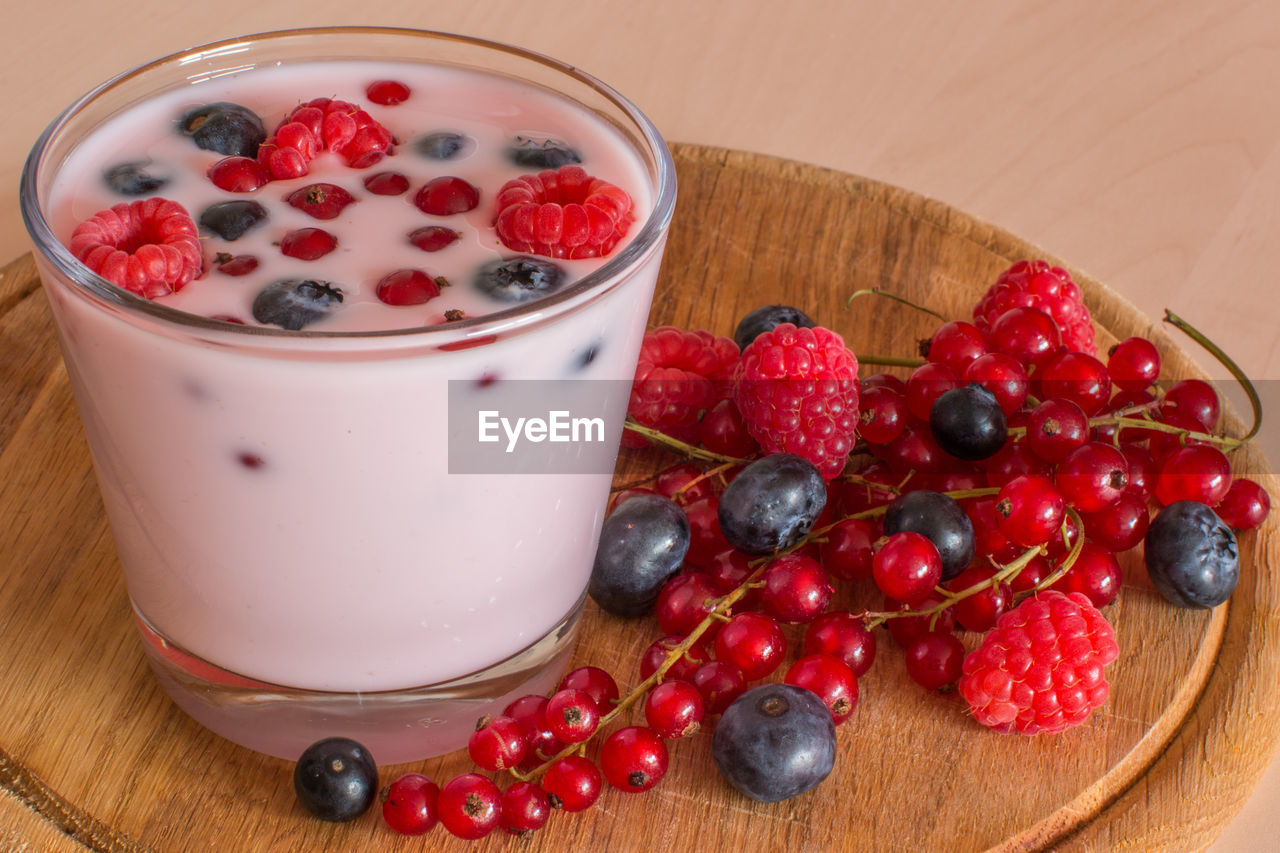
x=1036, y=284
x=150, y=247
x=562, y=213
x=798, y=392
x=323, y=124
x=676, y=380
x=1041, y=668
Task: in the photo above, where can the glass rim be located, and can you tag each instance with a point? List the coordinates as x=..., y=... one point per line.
x=633, y=254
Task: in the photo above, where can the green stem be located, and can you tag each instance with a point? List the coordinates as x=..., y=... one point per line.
x=889, y=360
x=876, y=291
x=662, y=439
x=1226, y=361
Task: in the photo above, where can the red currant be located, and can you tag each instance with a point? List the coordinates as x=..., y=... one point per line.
x=407, y=287
x=904, y=629
x=753, y=642
x=409, y=805
x=530, y=712
x=572, y=715
x=498, y=743
x=956, y=344
x=1092, y=477
x=674, y=709
x=1120, y=526
x=307, y=244
x=387, y=92
x=386, y=183
x=1055, y=428
x=1027, y=334
x=433, y=238
x=849, y=548
x=882, y=414
x=445, y=196
x=684, y=601
x=907, y=567
x=719, y=682
x=926, y=384
x=470, y=806
x=1194, y=398
x=1095, y=573
x=572, y=783
x=796, y=589
x=831, y=679
x=1002, y=375
x=525, y=808
x=706, y=540
x=723, y=430
x=238, y=174
x=658, y=652
x=935, y=660
x=843, y=635
x=987, y=538
x=1245, y=505
x=979, y=612
x=1077, y=377
x=1134, y=364
x=1194, y=473
x=633, y=759
x=596, y=683
x=1029, y=510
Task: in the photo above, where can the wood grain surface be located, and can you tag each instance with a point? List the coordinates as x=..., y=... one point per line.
x=91, y=747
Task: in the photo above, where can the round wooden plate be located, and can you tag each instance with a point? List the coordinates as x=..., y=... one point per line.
x=89, y=742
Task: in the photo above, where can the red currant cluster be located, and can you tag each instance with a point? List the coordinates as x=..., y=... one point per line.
x=985, y=501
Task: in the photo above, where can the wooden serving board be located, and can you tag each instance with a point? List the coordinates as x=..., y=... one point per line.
x=92, y=752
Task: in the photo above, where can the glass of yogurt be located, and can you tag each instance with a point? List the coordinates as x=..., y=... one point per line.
x=354, y=445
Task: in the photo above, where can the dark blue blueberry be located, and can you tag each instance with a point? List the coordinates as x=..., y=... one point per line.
x=939, y=519
x=767, y=318
x=968, y=423
x=774, y=742
x=443, y=145
x=294, y=303
x=336, y=779
x=225, y=128
x=772, y=503
x=133, y=178
x=231, y=219
x=1192, y=556
x=542, y=153
x=519, y=279
x=642, y=543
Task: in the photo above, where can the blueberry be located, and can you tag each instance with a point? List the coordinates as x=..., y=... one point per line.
x=774, y=742
x=293, y=303
x=133, y=178
x=225, y=128
x=442, y=145
x=1192, y=556
x=519, y=279
x=642, y=543
x=939, y=519
x=336, y=779
x=766, y=318
x=967, y=422
x=542, y=153
x=231, y=219
x=772, y=503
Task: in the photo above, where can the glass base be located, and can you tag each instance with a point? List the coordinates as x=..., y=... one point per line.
x=394, y=725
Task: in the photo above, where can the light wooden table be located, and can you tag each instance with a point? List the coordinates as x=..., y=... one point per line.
x=1140, y=140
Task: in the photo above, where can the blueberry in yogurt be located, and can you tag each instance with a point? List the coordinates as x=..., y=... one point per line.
x=294, y=304
x=223, y=127
x=519, y=279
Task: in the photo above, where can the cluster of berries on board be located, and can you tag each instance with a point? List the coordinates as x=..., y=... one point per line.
x=983, y=499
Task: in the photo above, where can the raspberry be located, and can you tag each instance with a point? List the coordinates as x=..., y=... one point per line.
x=328, y=125
x=1036, y=284
x=1041, y=668
x=150, y=247
x=798, y=392
x=677, y=379
x=562, y=213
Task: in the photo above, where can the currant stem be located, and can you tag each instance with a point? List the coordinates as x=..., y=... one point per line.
x=1124, y=422
x=876, y=291
x=1069, y=560
x=662, y=439
x=889, y=360
x=1226, y=361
